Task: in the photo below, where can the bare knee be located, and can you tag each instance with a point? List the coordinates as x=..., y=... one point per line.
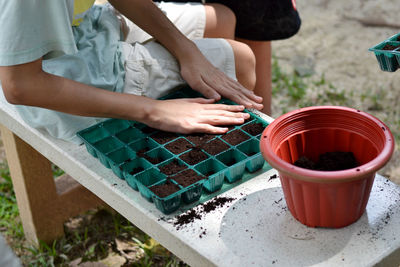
x=245, y=64
x=220, y=22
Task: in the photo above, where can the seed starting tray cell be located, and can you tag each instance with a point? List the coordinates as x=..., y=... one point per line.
x=193, y=165
x=388, y=53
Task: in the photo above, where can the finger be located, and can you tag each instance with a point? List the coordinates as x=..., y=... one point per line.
x=206, y=90
x=228, y=114
x=199, y=100
x=233, y=108
x=210, y=129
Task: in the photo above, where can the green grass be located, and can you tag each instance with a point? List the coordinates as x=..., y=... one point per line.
x=91, y=238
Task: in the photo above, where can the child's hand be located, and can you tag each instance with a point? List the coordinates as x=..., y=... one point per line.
x=194, y=115
x=203, y=77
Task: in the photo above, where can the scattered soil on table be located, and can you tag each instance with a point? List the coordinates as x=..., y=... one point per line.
x=236, y=137
x=198, y=212
x=215, y=147
x=199, y=138
x=254, y=128
x=172, y=167
x=162, y=137
x=193, y=156
x=164, y=190
x=390, y=47
x=330, y=161
x=178, y=146
x=187, y=177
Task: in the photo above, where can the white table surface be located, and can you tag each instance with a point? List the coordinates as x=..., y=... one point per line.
x=255, y=229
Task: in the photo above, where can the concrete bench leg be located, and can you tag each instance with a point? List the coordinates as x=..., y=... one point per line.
x=44, y=203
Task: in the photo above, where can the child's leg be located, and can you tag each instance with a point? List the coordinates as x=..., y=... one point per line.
x=262, y=52
x=220, y=22
x=245, y=64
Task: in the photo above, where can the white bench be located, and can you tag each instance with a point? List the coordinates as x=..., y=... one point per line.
x=255, y=229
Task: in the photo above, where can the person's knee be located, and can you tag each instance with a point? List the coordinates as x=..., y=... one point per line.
x=245, y=64
x=220, y=22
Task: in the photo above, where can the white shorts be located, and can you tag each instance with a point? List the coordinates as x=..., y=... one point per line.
x=151, y=70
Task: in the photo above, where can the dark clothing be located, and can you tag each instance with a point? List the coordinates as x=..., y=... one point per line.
x=262, y=20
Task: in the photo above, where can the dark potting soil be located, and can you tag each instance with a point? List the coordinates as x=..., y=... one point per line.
x=164, y=190
x=148, y=130
x=178, y=146
x=162, y=137
x=235, y=137
x=193, y=156
x=136, y=170
x=172, y=167
x=330, y=161
x=215, y=147
x=198, y=212
x=155, y=160
x=199, y=138
x=187, y=177
x=254, y=128
x=250, y=153
x=230, y=162
x=141, y=152
x=390, y=47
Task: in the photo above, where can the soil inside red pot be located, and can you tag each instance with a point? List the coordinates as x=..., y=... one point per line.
x=164, y=190
x=254, y=128
x=193, y=156
x=330, y=161
x=187, y=177
x=172, y=167
x=178, y=146
x=235, y=137
x=215, y=147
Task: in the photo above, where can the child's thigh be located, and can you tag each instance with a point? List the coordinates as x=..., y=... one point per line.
x=153, y=72
x=189, y=18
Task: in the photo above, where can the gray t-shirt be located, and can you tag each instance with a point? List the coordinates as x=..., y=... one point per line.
x=76, y=40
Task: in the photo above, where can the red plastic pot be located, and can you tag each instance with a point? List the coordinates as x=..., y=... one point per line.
x=326, y=198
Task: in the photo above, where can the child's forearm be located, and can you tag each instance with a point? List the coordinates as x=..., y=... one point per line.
x=27, y=84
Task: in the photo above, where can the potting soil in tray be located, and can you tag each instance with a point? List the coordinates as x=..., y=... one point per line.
x=388, y=53
x=196, y=165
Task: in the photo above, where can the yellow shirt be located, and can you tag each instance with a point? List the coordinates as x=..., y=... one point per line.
x=80, y=9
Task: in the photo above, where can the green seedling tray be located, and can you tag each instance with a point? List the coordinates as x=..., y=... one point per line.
x=138, y=164
x=235, y=171
x=169, y=203
x=127, y=148
x=146, y=179
x=389, y=60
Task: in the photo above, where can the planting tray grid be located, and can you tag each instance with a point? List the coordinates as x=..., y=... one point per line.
x=388, y=59
x=145, y=157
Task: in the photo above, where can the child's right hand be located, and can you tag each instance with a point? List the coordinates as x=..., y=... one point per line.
x=193, y=115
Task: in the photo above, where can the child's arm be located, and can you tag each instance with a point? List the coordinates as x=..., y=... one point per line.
x=28, y=84
x=198, y=72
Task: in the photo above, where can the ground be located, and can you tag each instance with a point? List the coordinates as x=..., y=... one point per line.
x=333, y=44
